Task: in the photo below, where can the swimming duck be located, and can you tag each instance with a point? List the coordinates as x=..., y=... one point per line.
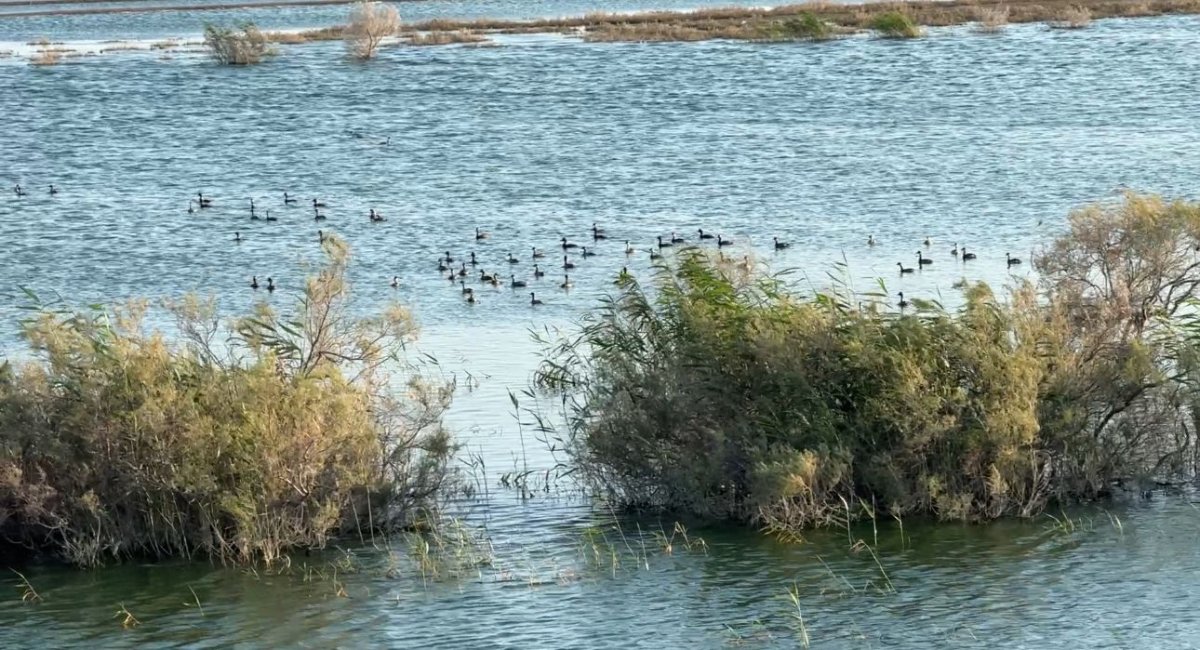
x=723, y=242
x=287, y=200
x=320, y=236
x=655, y=255
x=319, y=204
x=663, y=244
x=19, y=191
x=484, y=277
x=870, y=240
x=537, y=254
x=927, y=242
x=704, y=235
x=254, y=282
x=598, y=234
x=465, y=288
x=780, y=245
x=53, y=190
x=237, y=237
x=442, y=266
x=479, y=234
x=471, y=299
x=629, y=250
x=203, y=202
x=567, y=263
x=922, y=260
x=903, y=303
x=566, y=244
x=587, y=253
x=1012, y=261
x=904, y=269
x=566, y=283
x=190, y=204
x=396, y=281
x=473, y=262
x=533, y=299
x=462, y=272
x=515, y=283
x=675, y=239
x=954, y=251
x=537, y=272
x=270, y=284
x=513, y=260
x=270, y=218
x=317, y=216
x=967, y=256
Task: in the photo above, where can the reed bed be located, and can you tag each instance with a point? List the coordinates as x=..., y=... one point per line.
x=1073, y=17
x=719, y=393
x=445, y=38
x=778, y=23
x=992, y=20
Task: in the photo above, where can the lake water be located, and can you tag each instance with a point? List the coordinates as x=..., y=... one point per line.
x=982, y=141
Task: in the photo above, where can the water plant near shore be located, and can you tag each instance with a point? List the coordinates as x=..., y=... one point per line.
x=235, y=441
x=243, y=45
x=895, y=24
x=722, y=394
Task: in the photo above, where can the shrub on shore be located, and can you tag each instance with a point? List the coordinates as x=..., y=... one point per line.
x=722, y=395
x=370, y=23
x=244, y=45
x=894, y=24
x=233, y=442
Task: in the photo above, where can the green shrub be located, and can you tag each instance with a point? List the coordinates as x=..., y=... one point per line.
x=244, y=45
x=234, y=442
x=804, y=25
x=894, y=24
x=719, y=393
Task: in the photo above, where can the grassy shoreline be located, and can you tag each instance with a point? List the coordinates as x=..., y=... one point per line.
x=793, y=22
x=733, y=22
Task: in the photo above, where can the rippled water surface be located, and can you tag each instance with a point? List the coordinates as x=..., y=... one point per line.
x=982, y=141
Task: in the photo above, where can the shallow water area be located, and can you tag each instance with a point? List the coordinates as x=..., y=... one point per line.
x=982, y=141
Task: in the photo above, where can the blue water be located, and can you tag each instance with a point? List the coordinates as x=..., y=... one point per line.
x=981, y=141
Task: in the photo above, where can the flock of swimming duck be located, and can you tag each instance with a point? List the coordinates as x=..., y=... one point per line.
x=460, y=274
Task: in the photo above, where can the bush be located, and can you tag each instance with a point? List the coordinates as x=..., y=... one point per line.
x=242, y=46
x=722, y=395
x=370, y=23
x=804, y=25
x=893, y=24
x=235, y=442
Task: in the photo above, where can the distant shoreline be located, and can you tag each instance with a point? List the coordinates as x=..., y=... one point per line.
x=133, y=8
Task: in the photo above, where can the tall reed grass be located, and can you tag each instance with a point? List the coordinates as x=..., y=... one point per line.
x=722, y=394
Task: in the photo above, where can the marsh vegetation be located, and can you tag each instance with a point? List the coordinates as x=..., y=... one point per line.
x=237, y=441
x=718, y=392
